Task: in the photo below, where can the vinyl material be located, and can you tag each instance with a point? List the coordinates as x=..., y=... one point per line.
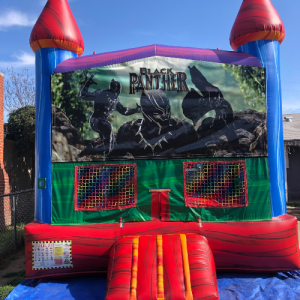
x=256, y=246
x=176, y=284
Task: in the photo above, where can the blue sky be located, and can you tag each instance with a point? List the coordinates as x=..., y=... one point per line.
x=120, y=24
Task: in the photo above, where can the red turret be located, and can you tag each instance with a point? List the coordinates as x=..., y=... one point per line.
x=256, y=20
x=57, y=28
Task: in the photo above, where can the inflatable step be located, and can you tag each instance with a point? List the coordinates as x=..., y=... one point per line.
x=171, y=267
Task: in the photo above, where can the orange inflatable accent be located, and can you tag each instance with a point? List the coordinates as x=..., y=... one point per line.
x=56, y=44
x=134, y=270
x=256, y=36
x=256, y=20
x=160, y=272
x=186, y=268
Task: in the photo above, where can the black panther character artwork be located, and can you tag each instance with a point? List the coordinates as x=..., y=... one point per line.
x=156, y=133
x=105, y=102
x=195, y=106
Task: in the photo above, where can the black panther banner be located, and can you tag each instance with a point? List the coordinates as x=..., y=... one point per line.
x=159, y=108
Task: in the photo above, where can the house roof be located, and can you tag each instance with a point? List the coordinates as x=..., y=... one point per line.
x=291, y=130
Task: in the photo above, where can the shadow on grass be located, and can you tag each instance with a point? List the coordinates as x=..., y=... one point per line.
x=7, y=239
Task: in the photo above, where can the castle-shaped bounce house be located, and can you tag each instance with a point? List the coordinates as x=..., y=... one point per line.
x=159, y=165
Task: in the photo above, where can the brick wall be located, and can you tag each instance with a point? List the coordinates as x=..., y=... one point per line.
x=5, y=205
x=1, y=116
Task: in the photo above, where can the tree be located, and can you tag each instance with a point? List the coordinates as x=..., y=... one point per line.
x=21, y=128
x=252, y=83
x=65, y=88
x=19, y=89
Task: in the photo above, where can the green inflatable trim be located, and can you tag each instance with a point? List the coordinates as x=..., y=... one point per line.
x=164, y=174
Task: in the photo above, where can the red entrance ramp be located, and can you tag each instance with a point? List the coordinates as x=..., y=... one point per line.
x=171, y=267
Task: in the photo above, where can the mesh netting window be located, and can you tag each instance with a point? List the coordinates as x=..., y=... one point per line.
x=105, y=187
x=220, y=184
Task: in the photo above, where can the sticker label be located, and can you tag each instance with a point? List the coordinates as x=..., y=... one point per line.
x=52, y=254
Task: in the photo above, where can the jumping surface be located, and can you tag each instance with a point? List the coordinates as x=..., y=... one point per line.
x=283, y=286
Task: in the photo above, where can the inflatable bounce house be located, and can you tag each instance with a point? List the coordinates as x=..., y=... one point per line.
x=159, y=165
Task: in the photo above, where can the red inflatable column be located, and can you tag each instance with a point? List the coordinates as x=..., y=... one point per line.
x=160, y=204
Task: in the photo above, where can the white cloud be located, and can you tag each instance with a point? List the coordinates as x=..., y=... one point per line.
x=15, y=18
x=23, y=59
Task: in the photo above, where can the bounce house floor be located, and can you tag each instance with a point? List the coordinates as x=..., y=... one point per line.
x=238, y=286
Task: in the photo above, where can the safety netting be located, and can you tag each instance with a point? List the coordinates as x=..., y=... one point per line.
x=215, y=184
x=105, y=187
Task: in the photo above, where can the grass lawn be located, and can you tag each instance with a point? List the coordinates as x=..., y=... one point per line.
x=12, y=270
x=16, y=278
x=5, y=290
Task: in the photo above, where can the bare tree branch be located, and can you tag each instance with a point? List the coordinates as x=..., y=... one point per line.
x=19, y=89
